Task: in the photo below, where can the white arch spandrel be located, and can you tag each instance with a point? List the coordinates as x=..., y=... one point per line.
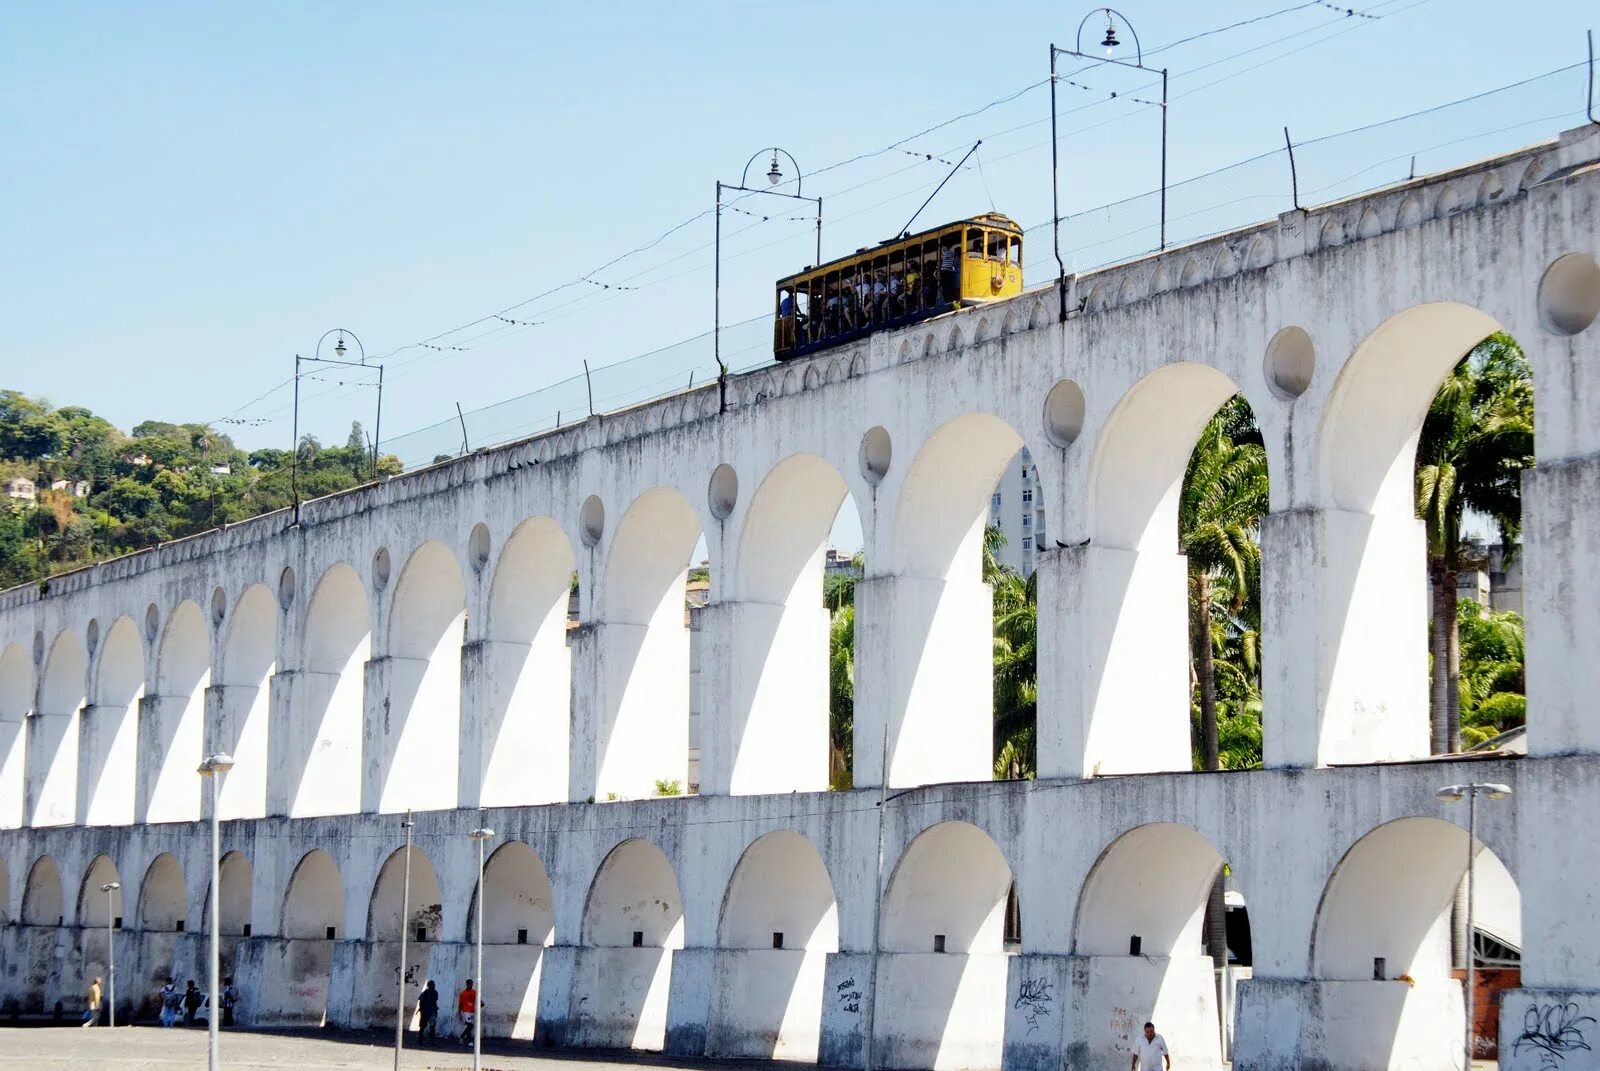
x=249, y=655
x=52, y=748
x=161, y=895
x=110, y=737
x=321, y=752
x=16, y=699
x=313, y=904
x=418, y=755
x=175, y=738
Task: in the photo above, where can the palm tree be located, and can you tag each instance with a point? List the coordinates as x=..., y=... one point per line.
x=841, y=695
x=1016, y=692
x=1492, y=673
x=1224, y=495
x=1476, y=439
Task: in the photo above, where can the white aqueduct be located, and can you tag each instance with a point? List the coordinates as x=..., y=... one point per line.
x=405, y=646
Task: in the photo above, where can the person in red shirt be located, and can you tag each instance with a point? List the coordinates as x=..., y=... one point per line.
x=467, y=1008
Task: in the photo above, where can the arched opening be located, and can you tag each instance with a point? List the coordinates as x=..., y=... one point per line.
x=322, y=745
x=1141, y=924
x=109, y=731
x=420, y=747
x=235, y=892
x=1431, y=418
x=642, y=733
x=98, y=912
x=529, y=666
x=42, y=903
x=936, y=614
x=174, y=741
x=378, y=958
x=774, y=735
x=779, y=922
x=943, y=966
x=1381, y=951
x=518, y=923
x=161, y=900
x=249, y=653
x=52, y=759
x=1125, y=664
x=16, y=697
x=312, y=919
x=632, y=918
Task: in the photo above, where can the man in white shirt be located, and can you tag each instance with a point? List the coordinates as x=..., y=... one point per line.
x=1150, y=1050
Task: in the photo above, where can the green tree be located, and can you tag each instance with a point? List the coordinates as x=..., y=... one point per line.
x=1492, y=672
x=1016, y=691
x=1476, y=439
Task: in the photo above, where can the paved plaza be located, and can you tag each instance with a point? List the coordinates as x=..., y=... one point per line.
x=153, y=1049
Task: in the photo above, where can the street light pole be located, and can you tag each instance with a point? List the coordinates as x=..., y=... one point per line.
x=111, y=950
x=339, y=349
x=1454, y=794
x=480, y=835
x=774, y=177
x=405, y=921
x=212, y=770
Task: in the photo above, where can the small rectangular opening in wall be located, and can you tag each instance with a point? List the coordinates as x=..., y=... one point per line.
x=638, y=938
x=247, y=929
x=117, y=922
x=330, y=933
x=938, y=942
x=1380, y=968
x=422, y=934
x=180, y=925
x=1135, y=945
x=522, y=937
x=777, y=938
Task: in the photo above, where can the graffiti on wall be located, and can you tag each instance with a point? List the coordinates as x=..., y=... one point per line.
x=1552, y=1032
x=1034, y=1000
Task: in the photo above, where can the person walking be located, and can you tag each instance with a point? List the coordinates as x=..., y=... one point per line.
x=467, y=1008
x=92, y=1016
x=230, y=997
x=1150, y=1050
x=171, y=1002
x=191, y=1003
x=428, y=1009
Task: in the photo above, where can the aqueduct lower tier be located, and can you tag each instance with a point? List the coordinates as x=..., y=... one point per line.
x=405, y=647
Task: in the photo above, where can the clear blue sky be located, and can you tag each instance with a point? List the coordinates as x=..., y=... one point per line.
x=195, y=192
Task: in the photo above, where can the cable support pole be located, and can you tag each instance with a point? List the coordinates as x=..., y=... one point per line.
x=1590, y=101
x=589, y=384
x=716, y=304
x=1294, y=177
x=1055, y=192
x=906, y=230
x=377, y=426
x=1163, y=158
x=294, y=446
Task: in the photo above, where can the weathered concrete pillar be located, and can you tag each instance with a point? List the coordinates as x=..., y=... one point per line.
x=1343, y=616
x=287, y=740
x=924, y=680
x=1039, y=1013
x=234, y=724
x=630, y=709
x=50, y=769
x=846, y=992
x=168, y=788
x=1561, y=600
x=764, y=698
x=689, y=1001
x=107, y=761
x=556, y=973
x=1348, y=1025
x=475, y=685
x=1113, y=662
x=404, y=765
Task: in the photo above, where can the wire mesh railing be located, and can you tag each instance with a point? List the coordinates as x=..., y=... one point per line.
x=1259, y=188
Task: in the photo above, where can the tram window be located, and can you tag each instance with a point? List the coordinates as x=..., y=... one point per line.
x=1016, y=250
x=997, y=245
x=974, y=243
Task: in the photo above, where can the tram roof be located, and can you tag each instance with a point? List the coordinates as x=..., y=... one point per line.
x=992, y=220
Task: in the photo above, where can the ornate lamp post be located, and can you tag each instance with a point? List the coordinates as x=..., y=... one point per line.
x=109, y=888
x=338, y=358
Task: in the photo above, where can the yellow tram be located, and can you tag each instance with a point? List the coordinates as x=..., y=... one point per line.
x=903, y=280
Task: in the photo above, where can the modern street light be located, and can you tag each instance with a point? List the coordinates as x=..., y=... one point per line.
x=109, y=888
x=339, y=350
x=405, y=921
x=481, y=835
x=1454, y=794
x=774, y=177
x=1110, y=43
x=212, y=769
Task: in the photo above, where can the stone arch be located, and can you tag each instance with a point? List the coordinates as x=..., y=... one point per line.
x=52, y=745
x=235, y=891
x=322, y=752
x=1225, y=263
x=42, y=902
x=313, y=904
x=954, y=340
x=1410, y=213
x=518, y=924
x=419, y=752
x=942, y=970
x=938, y=707
x=1139, y=923
x=780, y=915
x=96, y=908
x=424, y=921
x=642, y=735
x=775, y=735
x=1193, y=274
x=1042, y=314
x=162, y=905
x=175, y=715
x=249, y=656
x=633, y=915
x=1332, y=232
x=1132, y=570
x=1372, y=692
x=1260, y=252
x=1369, y=226
x=108, y=733
x=16, y=699
x=1389, y=899
x=526, y=729
x=312, y=918
x=813, y=377
x=1128, y=289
